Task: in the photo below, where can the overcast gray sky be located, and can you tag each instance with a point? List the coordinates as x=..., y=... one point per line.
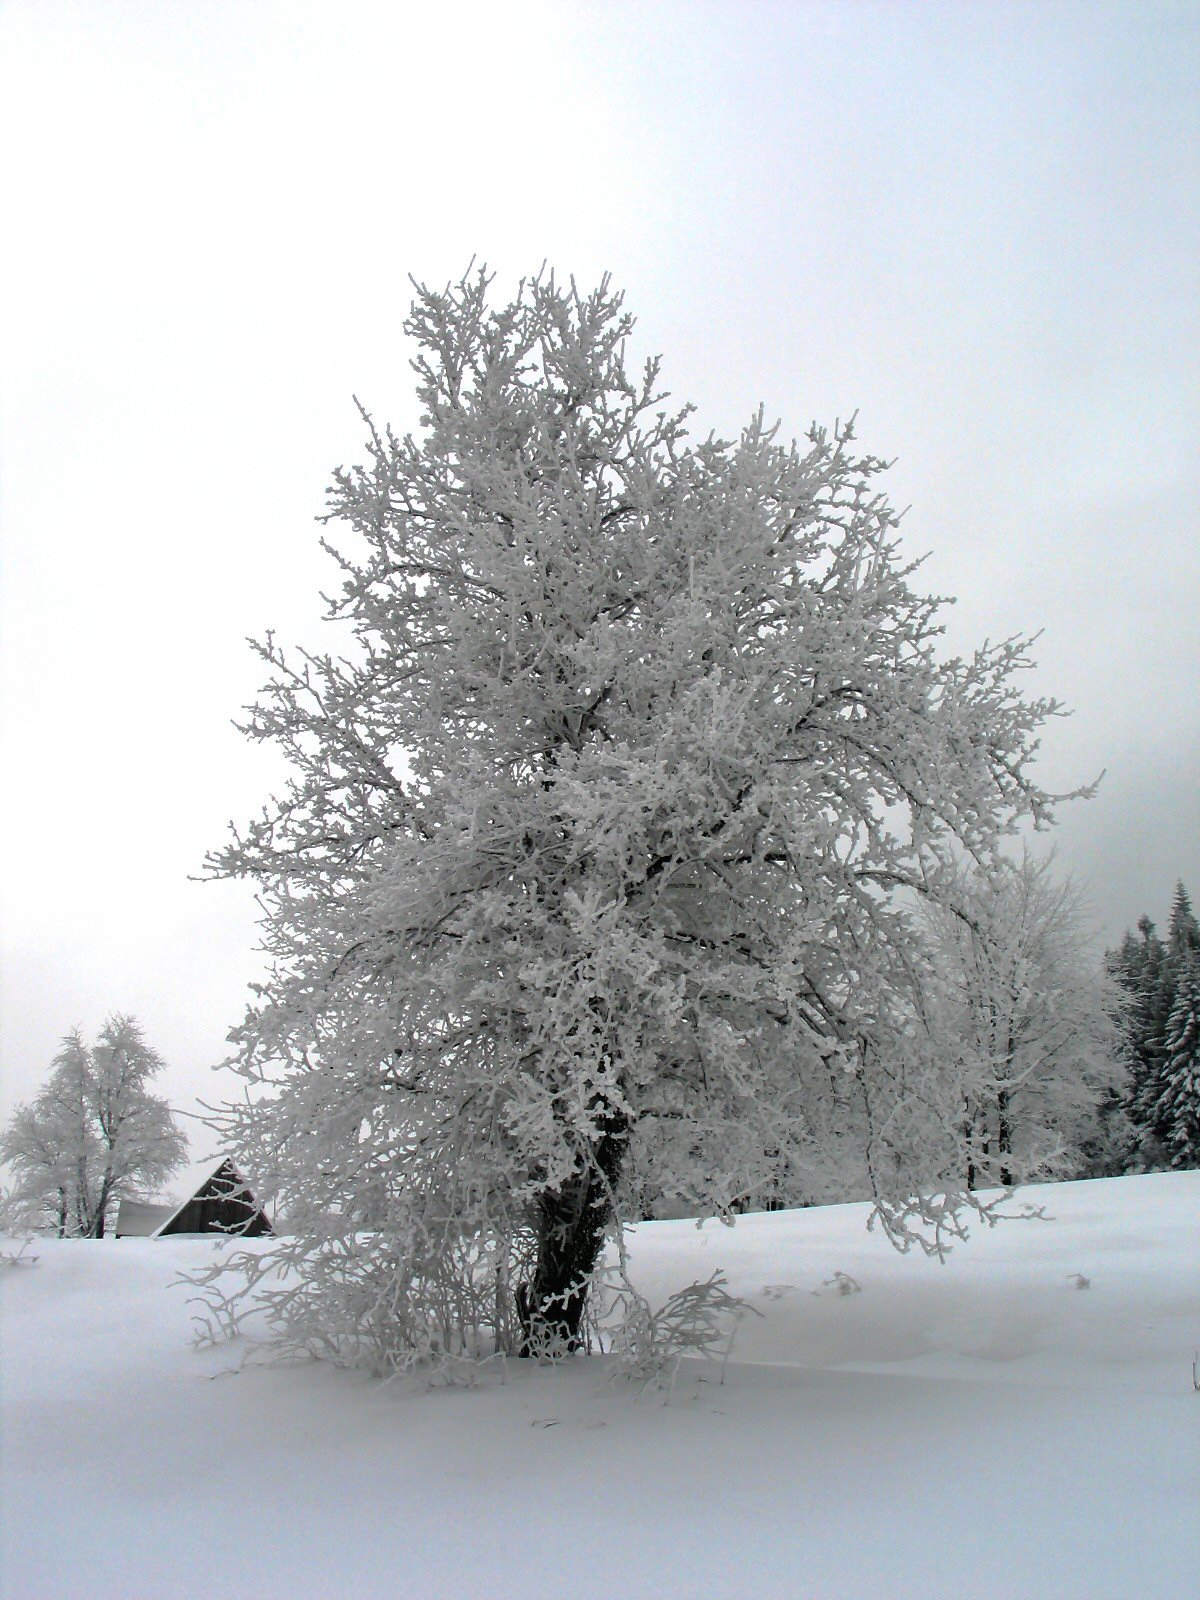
x=975, y=224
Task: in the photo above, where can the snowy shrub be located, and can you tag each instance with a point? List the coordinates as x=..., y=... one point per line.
x=18, y=1258
x=842, y=1283
x=648, y=1346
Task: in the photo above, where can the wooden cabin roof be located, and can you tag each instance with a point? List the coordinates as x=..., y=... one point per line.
x=139, y=1219
x=224, y=1189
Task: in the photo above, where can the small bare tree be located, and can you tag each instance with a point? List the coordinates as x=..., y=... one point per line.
x=94, y=1135
x=1016, y=998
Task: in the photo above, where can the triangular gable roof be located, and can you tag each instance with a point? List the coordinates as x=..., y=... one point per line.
x=224, y=1185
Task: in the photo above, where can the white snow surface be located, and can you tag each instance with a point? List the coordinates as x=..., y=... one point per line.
x=977, y=1428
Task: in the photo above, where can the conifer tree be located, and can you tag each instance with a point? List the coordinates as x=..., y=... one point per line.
x=1152, y=971
x=1178, y=1108
x=1183, y=931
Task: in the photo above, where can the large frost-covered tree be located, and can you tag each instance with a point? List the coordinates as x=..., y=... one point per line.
x=94, y=1135
x=609, y=811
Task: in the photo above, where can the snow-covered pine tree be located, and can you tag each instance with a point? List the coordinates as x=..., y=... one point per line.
x=1183, y=931
x=1138, y=964
x=1151, y=969
x=608, y=815
x=1178, y=1109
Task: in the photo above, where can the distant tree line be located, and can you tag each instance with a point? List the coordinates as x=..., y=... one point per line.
x=1161, y=978
x=1064, y=1071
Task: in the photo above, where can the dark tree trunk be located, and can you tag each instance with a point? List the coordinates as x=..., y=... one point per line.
x=969, y=1141
x=106, y=1189
x=1004, y=1139
x=571, y=1225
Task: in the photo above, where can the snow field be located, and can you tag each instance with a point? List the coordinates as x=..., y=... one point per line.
x=987, y=1426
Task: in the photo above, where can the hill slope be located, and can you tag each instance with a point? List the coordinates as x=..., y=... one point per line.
x=987, y=1426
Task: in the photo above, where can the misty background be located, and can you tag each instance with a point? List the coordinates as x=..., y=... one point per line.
x=974, y=224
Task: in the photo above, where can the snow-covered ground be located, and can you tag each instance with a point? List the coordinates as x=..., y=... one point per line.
x=1020, y=1422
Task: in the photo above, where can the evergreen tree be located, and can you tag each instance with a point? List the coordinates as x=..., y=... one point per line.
x=1183, y=935
x=1178, y=1108
x=1151, y=970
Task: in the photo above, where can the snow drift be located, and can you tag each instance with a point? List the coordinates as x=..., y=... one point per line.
x=1021, y=1419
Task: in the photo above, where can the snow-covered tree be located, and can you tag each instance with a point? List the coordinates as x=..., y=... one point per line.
x=94, y=1135
x=1014, y=994
x=609, y=810
x=1152, y=970
x=1178, y=1109
x=1140, y=965
x=1183, y=931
